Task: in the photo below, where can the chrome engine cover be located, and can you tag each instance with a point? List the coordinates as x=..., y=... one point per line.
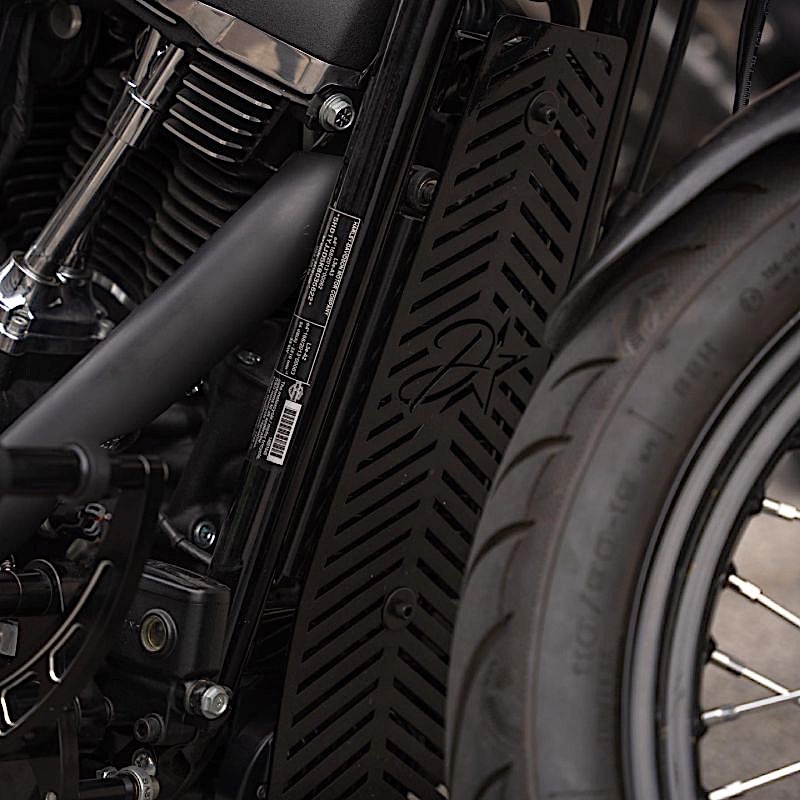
x=303, y=45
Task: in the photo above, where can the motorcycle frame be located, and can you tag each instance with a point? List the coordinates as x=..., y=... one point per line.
x=273, y=530
x=269, y=535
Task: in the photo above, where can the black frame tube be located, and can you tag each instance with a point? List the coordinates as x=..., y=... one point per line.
x=372, y=183
x=239, y=277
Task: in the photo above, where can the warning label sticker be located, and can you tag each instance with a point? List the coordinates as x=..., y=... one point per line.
x=295, y=367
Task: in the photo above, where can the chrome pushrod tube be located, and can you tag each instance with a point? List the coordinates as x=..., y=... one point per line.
x=129, y=121
x=240, y=276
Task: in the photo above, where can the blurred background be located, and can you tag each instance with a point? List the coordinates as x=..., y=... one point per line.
x=703, y=97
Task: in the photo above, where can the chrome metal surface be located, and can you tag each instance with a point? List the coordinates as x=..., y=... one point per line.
x=205, y=698
x=221, y=109
x=46, y=301
x=756, y=595
x=117, y=292
x=143, y=759
x=744, y=758
x=214, y=702
x=337, y=113
x=154, y=9
x=731, y=665
x=739, y=788
x=147, y=785
x=780, y=509
x=262, y=52
x=57, y=315
x=733, y=711
x=46, y=255
x=129, y=121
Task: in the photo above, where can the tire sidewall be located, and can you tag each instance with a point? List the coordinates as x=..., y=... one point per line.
x=650, y=428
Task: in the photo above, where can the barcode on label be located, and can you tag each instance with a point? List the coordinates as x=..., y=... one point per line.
x=284, y=432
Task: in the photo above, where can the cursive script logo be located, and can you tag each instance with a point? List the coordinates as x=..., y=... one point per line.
x=470, y=363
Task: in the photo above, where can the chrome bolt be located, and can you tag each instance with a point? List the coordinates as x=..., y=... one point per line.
x=18, y=324
x=144, y=760
x=248, y=358
x=204, y=534
x=337, y=113
x=214, y=702
x=51, y=796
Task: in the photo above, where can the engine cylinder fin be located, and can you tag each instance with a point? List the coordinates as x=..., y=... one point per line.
x=221, y=110
x=170, y=197
x=90, y=121
x=30, y=190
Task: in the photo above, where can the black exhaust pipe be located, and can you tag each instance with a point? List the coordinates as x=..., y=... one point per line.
x=239, y=277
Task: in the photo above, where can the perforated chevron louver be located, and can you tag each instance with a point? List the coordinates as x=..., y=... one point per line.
x=364, y=705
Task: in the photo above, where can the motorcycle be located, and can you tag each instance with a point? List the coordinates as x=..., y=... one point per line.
x=366, y=432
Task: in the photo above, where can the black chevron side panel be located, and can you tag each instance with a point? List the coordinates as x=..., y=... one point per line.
x=363, y=707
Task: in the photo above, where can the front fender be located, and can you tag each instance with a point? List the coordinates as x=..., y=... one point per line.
x=773, y=117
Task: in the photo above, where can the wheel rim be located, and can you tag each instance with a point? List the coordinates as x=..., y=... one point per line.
x=685, y=571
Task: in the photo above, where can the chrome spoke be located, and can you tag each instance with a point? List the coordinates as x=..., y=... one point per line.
x=738, y=788
x=754, y=594
x=778, y=509
x=735, y=710
x=730, y=664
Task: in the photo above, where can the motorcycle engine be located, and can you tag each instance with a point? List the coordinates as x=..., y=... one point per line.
x=238, y=114
x=252, y=88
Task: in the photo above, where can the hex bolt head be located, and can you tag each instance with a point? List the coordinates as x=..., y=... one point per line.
x=204, y=534
x=214, y=702
x=144, y=760
x=18, y=323
x=337, y=113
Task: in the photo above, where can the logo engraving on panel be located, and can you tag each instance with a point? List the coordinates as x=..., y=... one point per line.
x=470, y=361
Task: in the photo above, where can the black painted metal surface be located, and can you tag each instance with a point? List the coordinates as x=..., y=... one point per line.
x=362, y=713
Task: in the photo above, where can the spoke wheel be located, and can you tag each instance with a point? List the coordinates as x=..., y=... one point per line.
x=722, y=494
x=591, y=647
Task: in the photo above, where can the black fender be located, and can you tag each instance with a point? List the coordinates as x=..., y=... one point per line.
x=773, y=117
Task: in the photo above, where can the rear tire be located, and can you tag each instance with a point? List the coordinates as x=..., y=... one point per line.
x=539, y=703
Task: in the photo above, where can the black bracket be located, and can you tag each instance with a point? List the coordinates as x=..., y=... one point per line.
x=60, y=651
